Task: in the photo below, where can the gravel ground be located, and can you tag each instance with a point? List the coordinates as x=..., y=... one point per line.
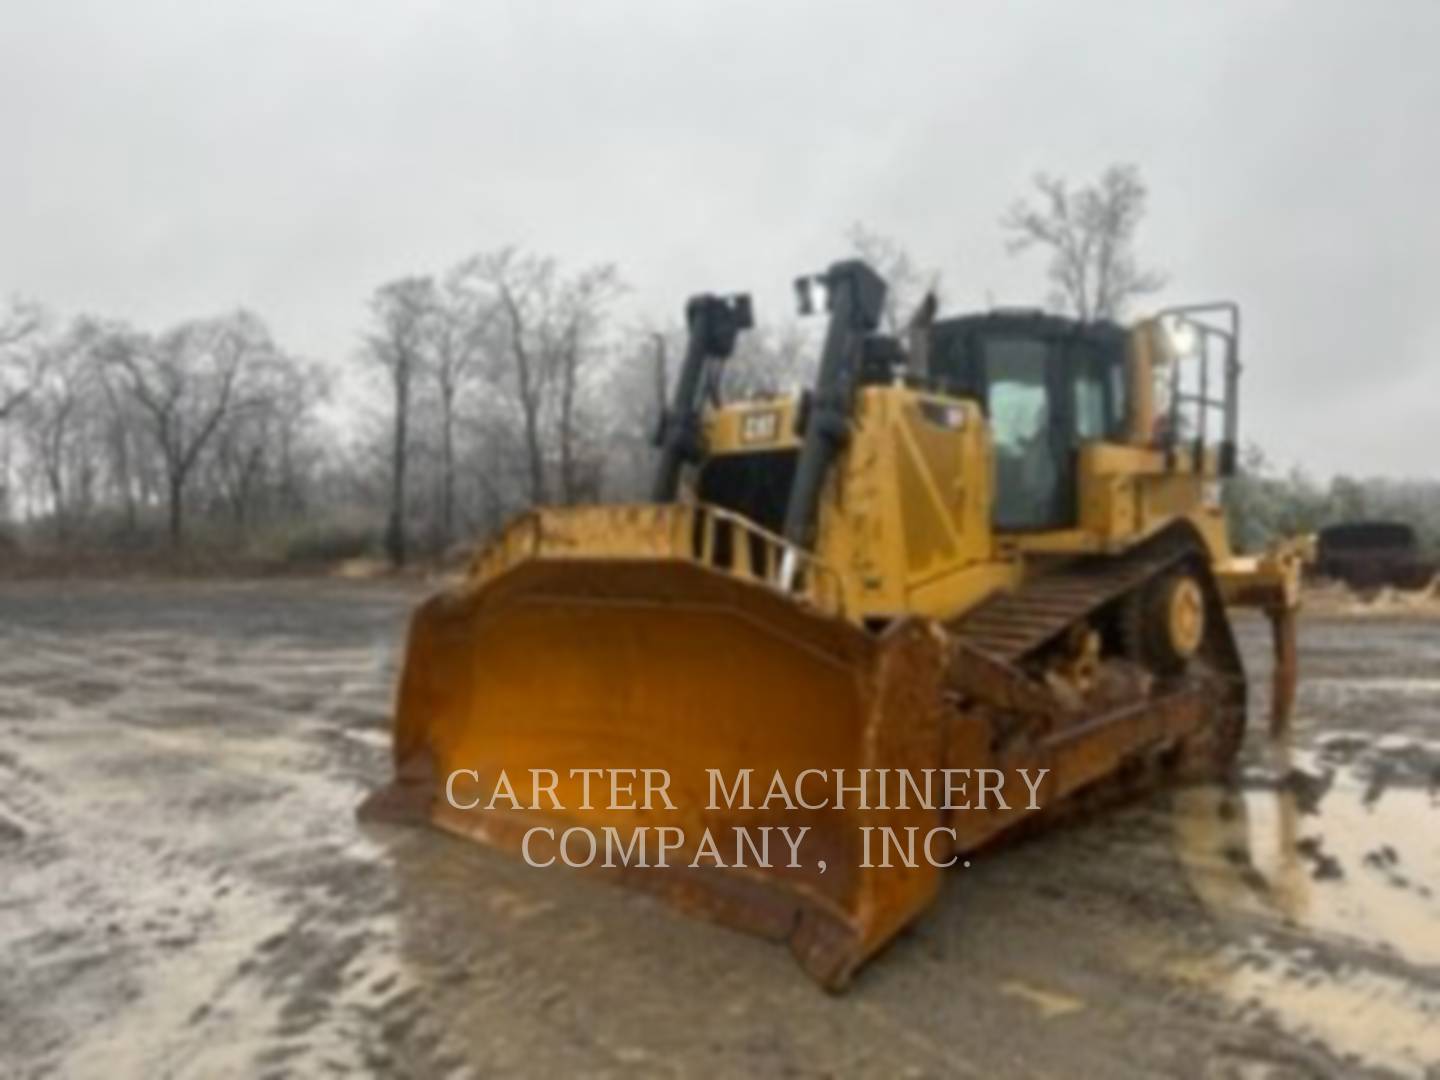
x=184, y=890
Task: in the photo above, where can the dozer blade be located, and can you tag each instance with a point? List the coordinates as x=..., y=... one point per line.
x=633, y=664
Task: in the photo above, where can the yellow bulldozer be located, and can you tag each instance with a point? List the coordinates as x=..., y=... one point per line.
x=976, y=577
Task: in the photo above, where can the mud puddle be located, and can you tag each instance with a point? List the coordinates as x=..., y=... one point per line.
x=1324, y=861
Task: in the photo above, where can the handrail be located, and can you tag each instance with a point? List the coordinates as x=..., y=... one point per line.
x=1201, y=318
x=711, y=536
x=727, y=542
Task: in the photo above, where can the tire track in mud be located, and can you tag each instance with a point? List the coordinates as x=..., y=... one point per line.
x=158, y=771
x=188, y=894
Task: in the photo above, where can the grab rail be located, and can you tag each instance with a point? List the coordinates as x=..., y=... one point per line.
x=710, y=536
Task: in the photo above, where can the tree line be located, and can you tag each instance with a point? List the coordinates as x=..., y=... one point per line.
x=504, y=380
x=1266, y=502
x=109, y=433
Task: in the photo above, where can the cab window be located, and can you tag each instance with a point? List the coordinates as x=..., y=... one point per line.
x=1029, y=474
x=1019, y=395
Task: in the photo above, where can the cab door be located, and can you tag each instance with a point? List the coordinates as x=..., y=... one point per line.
x=1029, y=400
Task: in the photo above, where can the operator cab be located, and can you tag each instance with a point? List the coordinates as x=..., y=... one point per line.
x=1047, y=385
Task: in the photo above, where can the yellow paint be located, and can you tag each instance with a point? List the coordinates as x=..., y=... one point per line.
x=747, y=426
x=905, y=518
x=684, y=637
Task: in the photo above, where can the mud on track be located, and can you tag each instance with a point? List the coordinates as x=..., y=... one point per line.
x=184, y=890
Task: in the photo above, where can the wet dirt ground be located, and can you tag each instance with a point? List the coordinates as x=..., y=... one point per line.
x=184, y=890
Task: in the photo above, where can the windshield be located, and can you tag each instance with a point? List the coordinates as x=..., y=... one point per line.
x=1019, y=407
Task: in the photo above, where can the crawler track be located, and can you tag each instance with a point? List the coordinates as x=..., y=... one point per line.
x=1003, y=641
x=1015, y=626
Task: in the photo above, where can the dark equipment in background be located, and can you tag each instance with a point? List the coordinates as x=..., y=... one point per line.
x=1373, y=554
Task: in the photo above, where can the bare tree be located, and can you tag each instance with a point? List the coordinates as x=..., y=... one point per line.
x=402, y=312
x=186, y=383
x=19, y=326
x=296, y=440
x=238, y=465
x=548, y=335
x=907, y=282
x=130, y=469
x=770, y=360
x=465, y=313
x=209, y=417
x=635, y=393
x=58, y=418
x=255, y=464
x=524, y=286
x=582, y=305
x=1090, y=235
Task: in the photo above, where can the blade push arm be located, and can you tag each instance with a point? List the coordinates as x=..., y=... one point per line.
x=714, y=323
x=856, y=296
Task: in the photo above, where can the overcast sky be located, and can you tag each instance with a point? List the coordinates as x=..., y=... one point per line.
x=162, y=160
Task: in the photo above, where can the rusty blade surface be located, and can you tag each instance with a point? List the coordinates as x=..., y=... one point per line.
x=620, y=665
